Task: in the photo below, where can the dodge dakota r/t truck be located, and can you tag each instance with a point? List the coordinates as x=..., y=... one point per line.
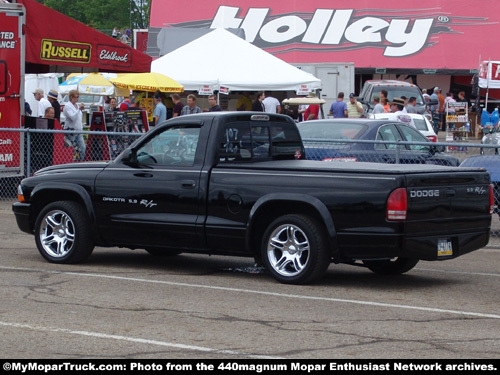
x=235, y=183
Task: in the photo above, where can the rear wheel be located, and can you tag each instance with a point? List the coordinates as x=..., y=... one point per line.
x=295, y=249
x=63, y=233
x=391, y=267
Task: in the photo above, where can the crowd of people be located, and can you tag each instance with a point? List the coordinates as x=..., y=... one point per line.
x=171, y=106
x=122, y=35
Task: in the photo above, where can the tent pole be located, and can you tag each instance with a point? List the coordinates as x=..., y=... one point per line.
x=488, y=77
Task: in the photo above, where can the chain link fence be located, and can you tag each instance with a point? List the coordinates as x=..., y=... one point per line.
x=25, y=151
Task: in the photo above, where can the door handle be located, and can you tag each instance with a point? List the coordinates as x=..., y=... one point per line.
x=142, y=174
x=188, y=184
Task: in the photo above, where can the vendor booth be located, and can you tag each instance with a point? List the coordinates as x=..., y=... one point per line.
x=200, y=67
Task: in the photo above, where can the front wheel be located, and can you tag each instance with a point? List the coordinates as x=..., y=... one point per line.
x=295, y=249
x=63, y=233
x=391, y=267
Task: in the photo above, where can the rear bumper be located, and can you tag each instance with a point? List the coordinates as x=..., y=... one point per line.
x=22, y=213
x=383, y=246
x=426, y=248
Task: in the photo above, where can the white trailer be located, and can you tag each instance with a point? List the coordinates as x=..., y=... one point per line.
x=335, y=77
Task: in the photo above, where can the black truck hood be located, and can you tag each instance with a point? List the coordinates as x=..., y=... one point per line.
x=73, y=166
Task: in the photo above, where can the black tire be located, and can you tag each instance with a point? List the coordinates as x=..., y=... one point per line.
x=295, y=249
x=396, y=266
x=158, y=252
x=63, y=233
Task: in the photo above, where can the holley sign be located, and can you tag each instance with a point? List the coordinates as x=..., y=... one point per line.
x=433, y=34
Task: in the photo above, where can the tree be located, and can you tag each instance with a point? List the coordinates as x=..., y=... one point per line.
x=105, y=14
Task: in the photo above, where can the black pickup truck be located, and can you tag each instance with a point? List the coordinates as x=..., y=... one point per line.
x=235, y=183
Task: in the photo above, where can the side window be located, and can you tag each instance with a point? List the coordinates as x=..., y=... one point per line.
x=387, y=133
x=174, y=146
x=413, y=135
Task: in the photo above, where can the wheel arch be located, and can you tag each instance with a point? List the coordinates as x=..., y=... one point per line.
x=271, y=206
x=46, y=193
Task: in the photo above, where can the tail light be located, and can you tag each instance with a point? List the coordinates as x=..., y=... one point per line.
x=397, y=205
x=492, y=200
x=432, y=138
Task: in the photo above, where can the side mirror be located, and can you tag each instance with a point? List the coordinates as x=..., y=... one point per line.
x=130, y=157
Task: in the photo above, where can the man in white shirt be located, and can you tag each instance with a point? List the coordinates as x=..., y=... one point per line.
x=73, y=113
x=43, y=103
x=378, y=108
x=272, y=105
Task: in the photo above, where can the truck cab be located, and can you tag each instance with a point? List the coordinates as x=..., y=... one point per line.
x=394, y=88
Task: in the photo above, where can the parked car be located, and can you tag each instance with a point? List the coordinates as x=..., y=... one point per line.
x=422, y=123
x=492, y=164
x=315, y=134
x=395, y=89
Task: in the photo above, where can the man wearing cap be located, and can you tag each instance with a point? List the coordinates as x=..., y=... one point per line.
x=397, y=114
x=52, y=97
x=43, y=103
x=354, y=108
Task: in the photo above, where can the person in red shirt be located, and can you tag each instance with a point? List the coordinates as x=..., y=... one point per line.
x=312, y=112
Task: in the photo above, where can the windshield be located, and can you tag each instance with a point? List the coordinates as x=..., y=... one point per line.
x=398, y=92
x=331, y=130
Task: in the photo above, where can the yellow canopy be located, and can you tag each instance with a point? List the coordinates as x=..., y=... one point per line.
x=147, y=82
x=91, y=84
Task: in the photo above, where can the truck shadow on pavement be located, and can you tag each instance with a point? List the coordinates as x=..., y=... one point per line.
x=118, y=261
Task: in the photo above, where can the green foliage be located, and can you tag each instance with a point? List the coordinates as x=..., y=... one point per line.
x=105, y=14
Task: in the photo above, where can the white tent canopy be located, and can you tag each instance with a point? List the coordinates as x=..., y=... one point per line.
x=220, y=59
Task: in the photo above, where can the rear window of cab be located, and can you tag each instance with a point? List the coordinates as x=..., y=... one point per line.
x=258, y=140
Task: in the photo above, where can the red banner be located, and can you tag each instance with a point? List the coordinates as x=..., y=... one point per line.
x=426, y=35
x=10, y=85
x=65, y=41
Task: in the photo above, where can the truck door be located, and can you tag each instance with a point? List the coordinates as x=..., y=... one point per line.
x=155, y=200
x=11, y=87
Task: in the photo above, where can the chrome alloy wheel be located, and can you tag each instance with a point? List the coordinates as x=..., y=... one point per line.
x=57, y=233
x=288, y=250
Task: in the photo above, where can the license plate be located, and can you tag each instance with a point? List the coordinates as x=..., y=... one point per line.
x=444, y=247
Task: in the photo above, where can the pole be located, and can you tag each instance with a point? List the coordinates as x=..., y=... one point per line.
x=488, y=77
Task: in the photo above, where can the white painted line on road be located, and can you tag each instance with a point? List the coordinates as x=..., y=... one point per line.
x=134, y=340
x=265, y=293
x=457, y=272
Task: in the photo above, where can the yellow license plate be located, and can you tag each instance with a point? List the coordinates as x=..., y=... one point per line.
x=444, y=247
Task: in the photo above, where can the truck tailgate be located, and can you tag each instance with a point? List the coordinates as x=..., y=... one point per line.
x=447, y=203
